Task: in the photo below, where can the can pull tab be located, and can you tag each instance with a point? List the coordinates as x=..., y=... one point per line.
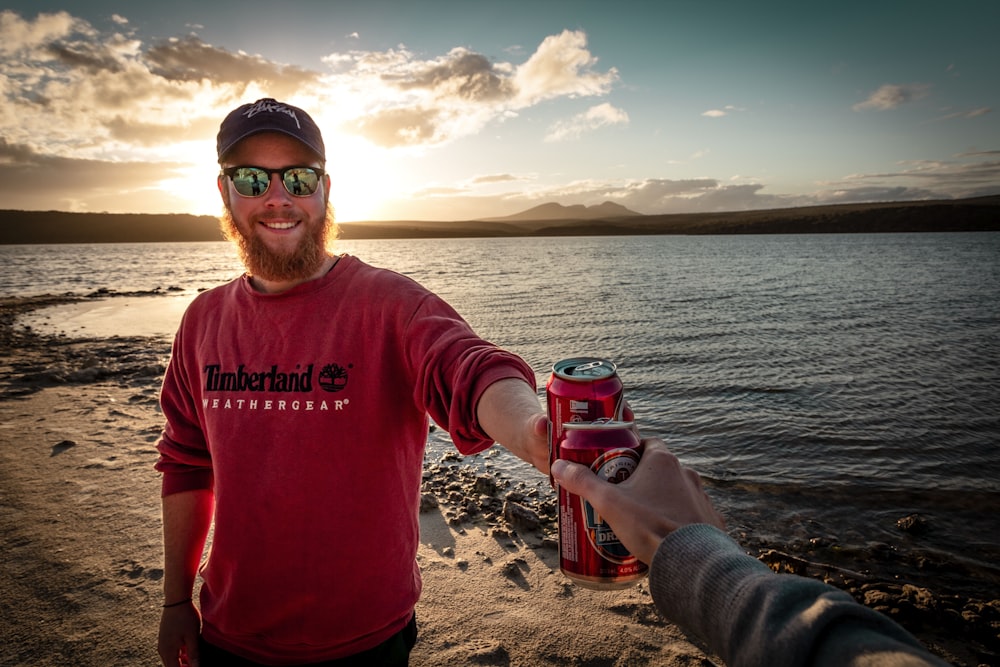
x=583, y=368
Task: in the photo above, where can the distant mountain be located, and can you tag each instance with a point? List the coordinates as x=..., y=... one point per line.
x=552, y=211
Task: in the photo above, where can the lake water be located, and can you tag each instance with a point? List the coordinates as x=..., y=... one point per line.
x=824, y=385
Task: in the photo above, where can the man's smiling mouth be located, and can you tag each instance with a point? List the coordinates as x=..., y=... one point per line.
x=279, y=225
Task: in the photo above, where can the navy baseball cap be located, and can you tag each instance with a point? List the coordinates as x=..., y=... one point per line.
x=269, y=115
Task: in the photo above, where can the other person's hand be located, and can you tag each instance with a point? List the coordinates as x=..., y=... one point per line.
x=659, y=497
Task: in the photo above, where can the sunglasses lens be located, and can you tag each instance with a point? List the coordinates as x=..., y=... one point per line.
x=301, y=181
x=251, y=181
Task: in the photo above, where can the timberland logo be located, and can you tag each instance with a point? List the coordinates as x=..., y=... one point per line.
x=331, y=378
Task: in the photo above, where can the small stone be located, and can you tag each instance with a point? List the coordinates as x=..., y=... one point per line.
x=486, y=485
x=428, y=502
x=499, y=534
x=520, y=517
x=62, y=446
x=510, y=570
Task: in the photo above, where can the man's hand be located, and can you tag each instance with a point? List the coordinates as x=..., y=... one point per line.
x=180, y=627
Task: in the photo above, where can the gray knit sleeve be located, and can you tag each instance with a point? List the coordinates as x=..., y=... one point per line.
x=705, y=583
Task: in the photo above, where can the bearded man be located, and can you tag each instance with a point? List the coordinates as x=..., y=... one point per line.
x=296, y=403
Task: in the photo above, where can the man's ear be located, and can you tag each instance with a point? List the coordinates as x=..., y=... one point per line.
x=223, y=190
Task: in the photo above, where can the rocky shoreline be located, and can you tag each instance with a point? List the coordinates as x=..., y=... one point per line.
x=962, y=628
x=515, y=511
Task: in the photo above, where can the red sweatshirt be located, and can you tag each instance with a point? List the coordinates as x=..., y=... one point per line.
x=307, y=413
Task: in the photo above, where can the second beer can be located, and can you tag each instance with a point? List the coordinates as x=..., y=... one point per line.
x=589, y=551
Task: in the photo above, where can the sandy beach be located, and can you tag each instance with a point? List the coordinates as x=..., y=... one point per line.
x=82, y=574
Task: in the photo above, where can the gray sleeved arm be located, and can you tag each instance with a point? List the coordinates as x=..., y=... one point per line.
x=704, y=582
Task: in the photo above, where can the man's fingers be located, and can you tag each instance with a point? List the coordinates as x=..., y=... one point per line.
x=575, y=478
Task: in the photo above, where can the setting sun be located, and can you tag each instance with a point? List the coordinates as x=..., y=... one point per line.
x=194, y=190
x=362, y=178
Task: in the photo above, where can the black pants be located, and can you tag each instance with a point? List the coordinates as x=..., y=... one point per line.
x=393, y=652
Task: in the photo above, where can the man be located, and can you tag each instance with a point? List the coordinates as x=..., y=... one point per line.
x=705, y=583
x=296, y=404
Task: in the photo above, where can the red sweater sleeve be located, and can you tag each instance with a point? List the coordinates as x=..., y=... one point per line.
x=453, y=366
x=184, y=458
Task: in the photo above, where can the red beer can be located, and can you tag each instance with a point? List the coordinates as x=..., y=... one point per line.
x=589, y=551
x=582, y=389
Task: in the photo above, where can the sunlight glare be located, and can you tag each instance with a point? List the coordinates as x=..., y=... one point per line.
x=194, y=190
x=362, y=178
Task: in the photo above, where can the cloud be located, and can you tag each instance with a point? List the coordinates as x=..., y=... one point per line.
x=190, y=59
x=414, y=102
x=967, y=175
x=24, y=37
x=495, y=178
x=971, y=174
x=972, y=113
x=978, y=153
x=719, y=113
x=694, y=195
x=400, y=127
x=592, y=119
x=460, y=75
x=649, y=196
x=561, y=66
x=934, y=180
x=891, y=96
x=85, y=185
x=73, y=88
x=862, y=195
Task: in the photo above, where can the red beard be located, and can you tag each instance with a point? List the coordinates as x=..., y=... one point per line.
x=298, y=265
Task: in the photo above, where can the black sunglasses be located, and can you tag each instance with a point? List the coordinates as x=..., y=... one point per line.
x=254, y=181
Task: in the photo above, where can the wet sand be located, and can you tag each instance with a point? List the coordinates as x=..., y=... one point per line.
x=81, y=569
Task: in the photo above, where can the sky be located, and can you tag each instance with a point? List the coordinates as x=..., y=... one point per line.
x=459, y=110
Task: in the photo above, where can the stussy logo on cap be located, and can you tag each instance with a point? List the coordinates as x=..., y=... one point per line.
x=271, y=106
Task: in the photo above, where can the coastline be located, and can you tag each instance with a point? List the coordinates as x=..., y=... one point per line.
x=80, y=521
x=976, y=214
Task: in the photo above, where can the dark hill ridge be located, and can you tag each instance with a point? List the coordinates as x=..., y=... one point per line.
x=959, y=215
x=552, y=211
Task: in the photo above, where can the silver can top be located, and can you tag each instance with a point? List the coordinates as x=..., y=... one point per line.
x=584, y=368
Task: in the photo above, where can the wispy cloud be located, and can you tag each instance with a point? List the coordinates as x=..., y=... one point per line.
x=495, y=178
x=969, y=174
x=973, y=113
x=720, y=113
x=891, y=96
x=592, y=119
